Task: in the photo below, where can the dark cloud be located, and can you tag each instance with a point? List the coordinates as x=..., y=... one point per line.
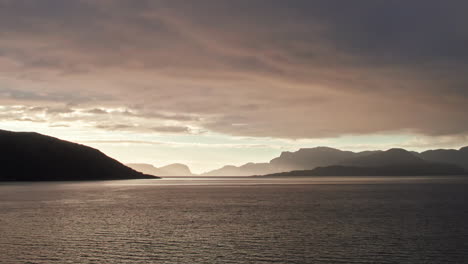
x=295, y=69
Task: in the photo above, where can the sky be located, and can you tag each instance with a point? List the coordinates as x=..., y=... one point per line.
x=214, y=82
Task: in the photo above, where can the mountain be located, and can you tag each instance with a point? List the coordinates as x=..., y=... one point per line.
x=176, y=169
x=458, y=157
x=248, y=169
x=311, y=158
x=384, y=158
x=303, y=159
x=169, y=170
x=428, y=169
x=393, y=162
x=29, y=156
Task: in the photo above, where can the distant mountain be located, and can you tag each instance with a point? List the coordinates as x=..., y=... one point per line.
x=144, y=168
x=303, y=159
x=393, y=162
x=428, y=169
x=35, y=157
x=244, y=170
x=311, y=158
x=384, y=158
x=176, y=169
x=458, y=157
x=169, y=170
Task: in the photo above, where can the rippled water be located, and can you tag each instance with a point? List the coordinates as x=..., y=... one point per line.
x=317, y=220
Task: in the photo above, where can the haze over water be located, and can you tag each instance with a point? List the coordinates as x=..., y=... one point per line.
x=235, y=220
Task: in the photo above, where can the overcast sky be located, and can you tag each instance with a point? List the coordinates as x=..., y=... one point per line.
x=215, y=82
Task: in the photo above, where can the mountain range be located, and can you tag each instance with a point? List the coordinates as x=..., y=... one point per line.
x=311, y=158
x=28, y=156
x=393, y=162
x=306, y=159
x=31, y=156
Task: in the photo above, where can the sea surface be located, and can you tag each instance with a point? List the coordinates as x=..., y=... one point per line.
x=235, y=220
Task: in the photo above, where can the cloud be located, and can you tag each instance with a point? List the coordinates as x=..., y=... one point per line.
x=114, y=127
x=171, y=129
x=96, y=111
x=266, y=68
x=146, y=129
x=33, y=96
x=423, y=142
x=124, y=142
x=181, y=144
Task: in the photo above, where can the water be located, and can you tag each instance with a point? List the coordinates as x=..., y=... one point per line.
x=317, y=220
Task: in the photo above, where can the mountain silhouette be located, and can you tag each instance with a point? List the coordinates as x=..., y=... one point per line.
x=428, y=169
x=27, y=156
x=176, y=169
x=310, y=158
x=384, y=158
x=393, y=162
x=307, y=159
x=244, y=170
x=458, y=157
x=303, y=159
